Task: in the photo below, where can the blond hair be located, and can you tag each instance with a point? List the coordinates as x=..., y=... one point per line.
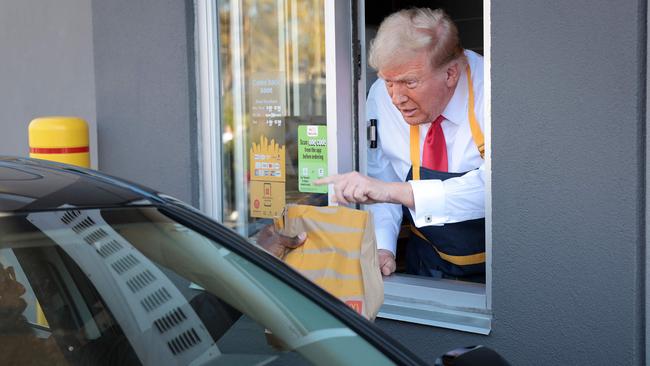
x=406, y=33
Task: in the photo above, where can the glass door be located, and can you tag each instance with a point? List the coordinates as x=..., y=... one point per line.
x=281, y=119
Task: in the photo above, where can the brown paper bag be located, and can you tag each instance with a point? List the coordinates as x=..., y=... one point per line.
x=339, y=255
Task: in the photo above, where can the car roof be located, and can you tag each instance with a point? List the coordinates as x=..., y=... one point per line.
x=28, y=185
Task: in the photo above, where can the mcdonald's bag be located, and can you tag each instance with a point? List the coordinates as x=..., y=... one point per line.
x=339, y=254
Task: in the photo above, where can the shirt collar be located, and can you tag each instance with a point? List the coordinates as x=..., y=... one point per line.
x=456, y=110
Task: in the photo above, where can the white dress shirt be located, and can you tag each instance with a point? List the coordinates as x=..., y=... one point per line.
x=436, y=202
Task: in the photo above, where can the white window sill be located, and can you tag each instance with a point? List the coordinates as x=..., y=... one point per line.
x=437, y=302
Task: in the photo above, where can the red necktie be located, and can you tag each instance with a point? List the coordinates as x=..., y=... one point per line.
x=434, y=155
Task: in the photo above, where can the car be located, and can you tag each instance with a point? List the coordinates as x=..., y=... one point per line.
x=95, y=270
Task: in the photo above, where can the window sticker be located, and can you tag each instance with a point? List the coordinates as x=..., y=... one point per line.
x=267, y=178
x=312, y=157
x=267, y=194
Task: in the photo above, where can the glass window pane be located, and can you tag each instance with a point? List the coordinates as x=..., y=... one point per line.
x=272, y=69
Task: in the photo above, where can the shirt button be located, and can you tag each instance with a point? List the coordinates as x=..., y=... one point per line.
x=427, y=219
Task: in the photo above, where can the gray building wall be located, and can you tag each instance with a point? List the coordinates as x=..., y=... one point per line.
x=46, y=67
x=146, y=104
x=125, y=67
x=568, y=137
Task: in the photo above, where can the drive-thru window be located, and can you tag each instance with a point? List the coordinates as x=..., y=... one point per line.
x=282, y=102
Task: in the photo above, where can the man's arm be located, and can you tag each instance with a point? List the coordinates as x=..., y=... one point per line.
x=355, y=187
x=431, y=202
x=453, y=200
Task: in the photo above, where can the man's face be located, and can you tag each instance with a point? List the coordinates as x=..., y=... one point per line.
x=419, y=92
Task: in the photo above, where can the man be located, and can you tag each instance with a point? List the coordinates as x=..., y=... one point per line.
x=423, y=106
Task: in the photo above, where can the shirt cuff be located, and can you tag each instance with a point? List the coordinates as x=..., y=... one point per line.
x=429, y=199
x=386, y=239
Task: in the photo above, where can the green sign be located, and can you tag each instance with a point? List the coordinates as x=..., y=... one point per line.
x=312, y=157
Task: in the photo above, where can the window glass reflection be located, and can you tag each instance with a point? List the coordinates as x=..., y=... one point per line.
x=272, y=69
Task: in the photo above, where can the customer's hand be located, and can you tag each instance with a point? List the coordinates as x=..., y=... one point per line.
x=387, y=263
x=276, y=243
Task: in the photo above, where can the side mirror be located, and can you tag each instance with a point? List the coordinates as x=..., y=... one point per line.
x=472, y=356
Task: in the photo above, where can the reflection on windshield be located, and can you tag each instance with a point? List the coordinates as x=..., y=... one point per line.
x=22, y=344
x=138, y=293
x=114, y=285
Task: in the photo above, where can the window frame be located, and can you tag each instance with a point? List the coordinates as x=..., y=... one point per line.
x=339, y=86
x=647, y=192
x=208, y=109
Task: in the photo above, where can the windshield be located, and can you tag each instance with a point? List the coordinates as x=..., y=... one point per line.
x=132, y=286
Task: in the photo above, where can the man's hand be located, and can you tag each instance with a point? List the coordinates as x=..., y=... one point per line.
x=354, y=187
x=276, y=243
x=387, y=263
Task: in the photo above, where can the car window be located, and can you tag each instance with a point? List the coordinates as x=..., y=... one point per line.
x=131, y=286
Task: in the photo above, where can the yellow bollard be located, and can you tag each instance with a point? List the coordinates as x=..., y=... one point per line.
x=60, y=139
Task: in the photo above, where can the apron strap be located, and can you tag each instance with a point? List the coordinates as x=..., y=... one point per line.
x=415, y=151
x=459, y=260
x=477, y=134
